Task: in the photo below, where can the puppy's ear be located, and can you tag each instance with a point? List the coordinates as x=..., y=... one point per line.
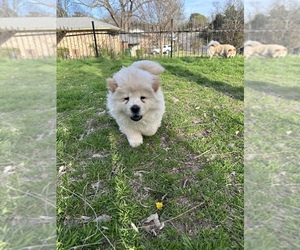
x=155, y=84
x=111, y=84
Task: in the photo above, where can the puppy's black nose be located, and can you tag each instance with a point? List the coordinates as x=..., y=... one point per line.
x=135, y=109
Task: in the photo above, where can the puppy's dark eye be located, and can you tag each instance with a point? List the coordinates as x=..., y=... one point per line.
x=143, y=98
x=126, y=99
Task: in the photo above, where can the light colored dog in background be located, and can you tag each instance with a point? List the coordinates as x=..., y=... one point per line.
x=224, y=50
x=254, y=48
x=135, y=100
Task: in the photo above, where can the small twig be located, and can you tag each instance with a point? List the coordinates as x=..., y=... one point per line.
x=162, y=198
x=145, y=206
x=193, y=208
x=85, y=245
x=184, y=184
x=38, y=246
x=32, y=195
x=293, y=207
x=198, y=156
x=272, y=153
x=152, y=161
x=95, y=217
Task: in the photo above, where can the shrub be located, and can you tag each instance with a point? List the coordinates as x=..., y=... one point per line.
x=63, y=53
x=10, y=52
x=140, y=52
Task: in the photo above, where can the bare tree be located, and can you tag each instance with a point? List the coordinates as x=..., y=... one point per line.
x=282, y=20
x=41, y=7
x=159, y=14
x=62, y=8
x=10, y=8
x=29, y=8
x=121, y=11
x=67, y=8
x=48, y=3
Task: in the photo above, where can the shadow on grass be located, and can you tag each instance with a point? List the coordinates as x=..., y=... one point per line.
x=222, y=87
x=286, y=92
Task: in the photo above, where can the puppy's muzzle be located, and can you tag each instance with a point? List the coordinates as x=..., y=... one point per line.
x=135, y=109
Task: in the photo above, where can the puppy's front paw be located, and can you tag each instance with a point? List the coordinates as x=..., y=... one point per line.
x=134, y=137
x=151, y=131
x=135, y=142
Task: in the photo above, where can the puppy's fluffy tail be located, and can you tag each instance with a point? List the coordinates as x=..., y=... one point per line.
x=213, y=43
x=152, y=67
x=251, y=43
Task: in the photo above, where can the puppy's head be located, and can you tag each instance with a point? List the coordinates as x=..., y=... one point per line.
x=279, y=51
x=134, y=90
x=231, y=52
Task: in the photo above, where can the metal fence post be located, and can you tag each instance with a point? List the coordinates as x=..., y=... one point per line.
x=95, y=39
x=172, y=38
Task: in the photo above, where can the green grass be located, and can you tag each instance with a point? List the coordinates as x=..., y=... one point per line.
x=27, y=154
x=194, y=163
x=272, y=95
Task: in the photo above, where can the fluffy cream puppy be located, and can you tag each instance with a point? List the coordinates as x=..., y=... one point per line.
x=254, y=48
x=224, y=50
x=135, y=100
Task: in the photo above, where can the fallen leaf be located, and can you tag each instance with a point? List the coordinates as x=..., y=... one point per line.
x=152, y=224
x=62, y=170
x=99, y=155
x=47, y=219
x=95, y=185
x=102, y=218
x=9, y=170
x=175, y=100
x=85, y=218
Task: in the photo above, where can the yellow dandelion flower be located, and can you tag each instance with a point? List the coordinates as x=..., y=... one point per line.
x=159, y=205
